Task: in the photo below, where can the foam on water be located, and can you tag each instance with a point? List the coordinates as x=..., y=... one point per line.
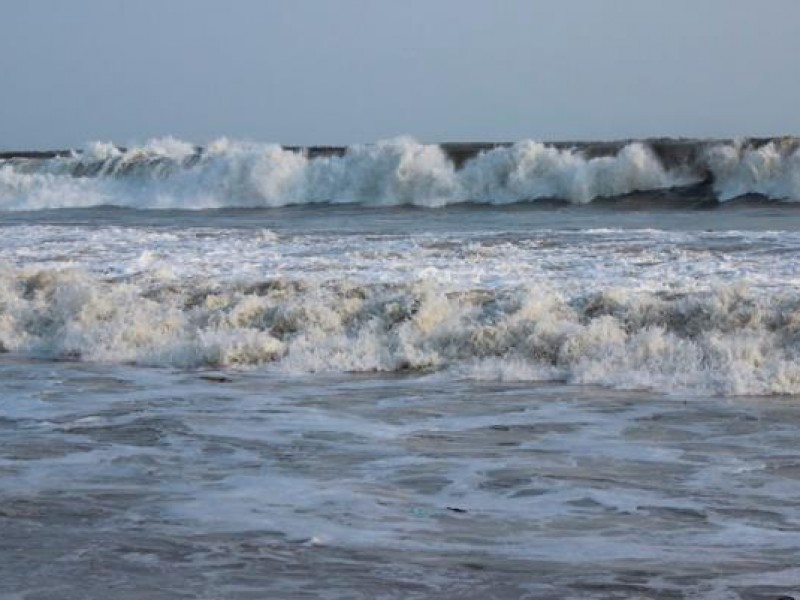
x=529, y=170
x=114, y=473
x=169, y=173
x=704, y=311
x=114, y=476
x=739, y=170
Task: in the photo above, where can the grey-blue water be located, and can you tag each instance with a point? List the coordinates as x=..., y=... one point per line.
x=341, y=401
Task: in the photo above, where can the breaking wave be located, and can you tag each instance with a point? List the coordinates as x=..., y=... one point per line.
x=168, y=173
x=726, y=340
x=769, y=171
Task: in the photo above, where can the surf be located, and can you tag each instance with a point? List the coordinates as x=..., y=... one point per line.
x=167, y=173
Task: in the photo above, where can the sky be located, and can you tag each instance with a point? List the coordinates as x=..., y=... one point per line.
x=347, y=71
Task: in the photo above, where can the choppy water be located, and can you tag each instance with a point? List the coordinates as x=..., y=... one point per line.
x=149, y=483
x=538, y=400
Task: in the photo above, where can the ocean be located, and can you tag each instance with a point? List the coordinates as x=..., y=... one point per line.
x=401, y=370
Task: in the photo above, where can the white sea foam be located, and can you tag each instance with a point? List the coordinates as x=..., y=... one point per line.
x=530, y=170
x=711, y=312
x=169, y=173
x=725, y=340
x=768, y=170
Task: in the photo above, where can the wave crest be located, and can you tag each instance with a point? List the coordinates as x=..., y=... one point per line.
x=769, y=171
x=727, y=340
x=169, y=173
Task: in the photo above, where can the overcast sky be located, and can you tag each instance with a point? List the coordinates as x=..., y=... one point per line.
x=342, y=71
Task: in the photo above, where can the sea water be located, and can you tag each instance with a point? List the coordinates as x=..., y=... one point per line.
x=245, y=373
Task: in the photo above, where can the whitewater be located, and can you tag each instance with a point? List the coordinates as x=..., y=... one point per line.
x=170, y=173
x=544, y=370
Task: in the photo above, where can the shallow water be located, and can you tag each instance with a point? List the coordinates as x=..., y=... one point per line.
x=142, y=482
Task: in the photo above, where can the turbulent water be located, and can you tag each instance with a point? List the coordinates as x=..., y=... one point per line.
x=169, y=173
x=241, y=370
